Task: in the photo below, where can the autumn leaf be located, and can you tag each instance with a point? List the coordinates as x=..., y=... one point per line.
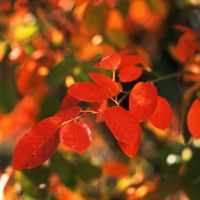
x=40, y=142
x=115, y=168
x=68, y=102
x=105, y=82
x=128, y=60
x=131, y=148
x=143, y=100
x=111, y=62
x=89, y=92
x=186, y=46
x=130, y=73
x=76, y=135
x=193, y=119
x=121, y=123
x=162, y=116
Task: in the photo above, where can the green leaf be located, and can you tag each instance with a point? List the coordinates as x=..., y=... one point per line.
x=30, y=181
x=8, y=95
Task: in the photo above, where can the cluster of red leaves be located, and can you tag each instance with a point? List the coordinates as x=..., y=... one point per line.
x=67, y=126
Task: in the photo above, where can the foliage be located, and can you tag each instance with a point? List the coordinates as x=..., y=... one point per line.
x=98, y=100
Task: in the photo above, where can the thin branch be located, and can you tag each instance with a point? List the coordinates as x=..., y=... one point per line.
x=169, y=76
x=116, y=102
x=90, y=111
x=124, y=97
x=113, y=75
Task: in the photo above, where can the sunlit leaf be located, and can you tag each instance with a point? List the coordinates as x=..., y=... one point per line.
x=121, y=123
x=162, y=115
x=76, y=135
x=143, y=100
x=130, y=73
x=89, y=92
x=105, y=82
x=111, y=62
x=40, y=142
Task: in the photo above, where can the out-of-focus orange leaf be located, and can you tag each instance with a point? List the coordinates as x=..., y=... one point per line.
x=20, y=119
x=114, y=20
x=60, y=191
x=115, y=168
x=186, y=46
x=141, y=14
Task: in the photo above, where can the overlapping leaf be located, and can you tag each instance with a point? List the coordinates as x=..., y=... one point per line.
x=129, y=60
x=105, y=82
x=111, y=62
x=121, y=123
x=40, y=142
x=143, y=100
x=162, y=116
x=131, y=148
x=68, y=102
x=130, y=73
x=89, y=92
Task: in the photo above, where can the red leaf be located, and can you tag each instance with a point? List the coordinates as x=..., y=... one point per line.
x=130, y=73
x=115, y=168
x=109, y=62
x=105, y=82
x=162, y=116
x=89, y=92
x=68, y=102
x=101, y=108
x=143, y=100
x=121, y=123
x=193, y=119
x=76, y=135
x=40, y=142
x=129, y=60
x=186, y=46
x=131, y=148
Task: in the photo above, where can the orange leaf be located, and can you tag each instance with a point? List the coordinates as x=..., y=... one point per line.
x=129, y=60
x=186, y=46
x=115, y=168
x=121, y=123
x=131, y=148
x=143, y=100
x=105, y=82
x=162, y=116
x=130, y=73
x=111, y=62
x=193, y=119
x=68, y=102
x=89, y=92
